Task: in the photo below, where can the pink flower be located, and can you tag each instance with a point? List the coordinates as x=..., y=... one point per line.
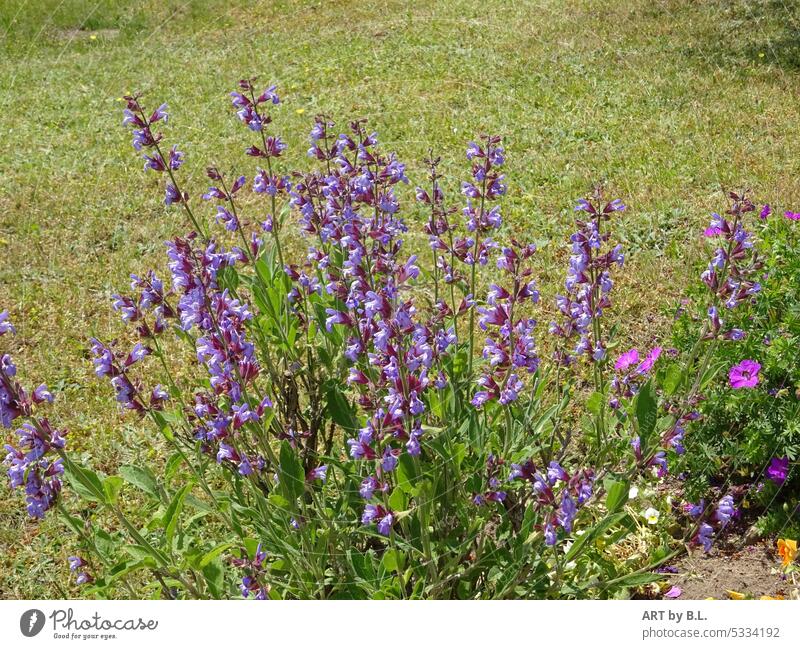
x=674, y=592
x=792, y=216
x=647, y=364
x=765, y=212
x=712, y=231
x=744, y=375
x=630, y=357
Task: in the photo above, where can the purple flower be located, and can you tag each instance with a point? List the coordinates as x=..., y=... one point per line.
x=320, y=473
x=627, y=359
x=725, y=510
x=792, y=216
x=704, y=536
x=744, y=375
x=5, y=326
x=778, y=470
x=42, y=394
x=647, y=364
x=567, y=512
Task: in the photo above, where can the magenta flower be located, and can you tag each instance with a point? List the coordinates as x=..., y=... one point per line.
x=647, y=364
x=630, y=357
x=778, y=470
x=744, y=375
x=674, y=592
x=792, y=216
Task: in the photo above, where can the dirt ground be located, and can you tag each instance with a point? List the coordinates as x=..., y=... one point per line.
x=751, y=569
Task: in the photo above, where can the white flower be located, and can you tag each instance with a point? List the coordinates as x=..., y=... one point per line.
x=633, y=492
x=652, y=515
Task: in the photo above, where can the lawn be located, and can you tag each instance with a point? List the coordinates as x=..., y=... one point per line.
x=668, y=102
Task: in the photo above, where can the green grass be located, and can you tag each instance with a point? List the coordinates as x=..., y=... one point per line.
x=668, y=102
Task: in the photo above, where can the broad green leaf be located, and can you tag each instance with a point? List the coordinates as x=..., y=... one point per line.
x=594, y=403
x=397, y=501
x=85, y=482
x=140, y=477
x=406, y=474
x=212, y=554
x=393, y=560
x=111, y=487
x=170, y=520
x=646, y=412
x=292, y=477
x=340, y=409
x=592, y=533
x=673, y=378
x=616, y=494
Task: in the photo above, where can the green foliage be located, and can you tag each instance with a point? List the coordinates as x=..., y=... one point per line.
x=742, y=430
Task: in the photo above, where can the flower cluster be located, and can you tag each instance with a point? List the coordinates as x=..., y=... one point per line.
x=511, y=348
x=78, y=565
x=486, y=186
x=630, y=371
x=34, y=464
x=588, y=282
x=711, y=524
x=253, y=582
x=351, y=212
x=145, y=139
x=731, y=272
x=556, y=494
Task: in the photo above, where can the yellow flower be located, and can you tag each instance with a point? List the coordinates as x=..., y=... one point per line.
x=787, y=548
x=734, y=595
x=768, y=597
x=300, y=111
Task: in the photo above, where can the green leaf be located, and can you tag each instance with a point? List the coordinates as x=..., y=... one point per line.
x=616, y=494
x=212, y=554
x=393, y=560
x=214, y=575
x=592, y=533
x=85, y=482
x=673, y=379
x=339, y=408
x=111, y=488
x=594, y=403
x=397, y=501
x=141, y=478
x=646, y=413
x=406, y=474
x=170, y=520
x=292, y=477
x=163, y=425
x=105, y=544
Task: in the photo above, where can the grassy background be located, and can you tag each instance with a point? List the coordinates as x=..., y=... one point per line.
x=667, y=101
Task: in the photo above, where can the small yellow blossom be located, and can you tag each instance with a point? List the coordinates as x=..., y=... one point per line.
x=300, y=111
x=734, y=595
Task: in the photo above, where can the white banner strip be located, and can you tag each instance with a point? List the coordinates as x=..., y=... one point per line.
x=400, y=625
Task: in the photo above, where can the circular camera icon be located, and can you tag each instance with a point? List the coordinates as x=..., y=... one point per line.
x=31, y=622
